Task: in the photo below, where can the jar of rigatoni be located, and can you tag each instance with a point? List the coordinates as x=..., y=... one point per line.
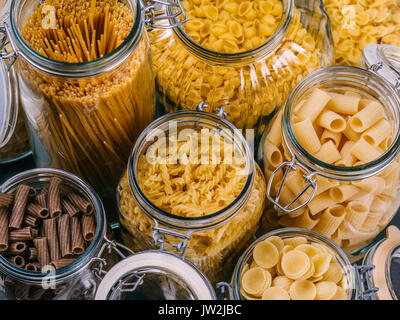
x=243, y=55
x=86, y=82
x=192, y=185
x=52, y=237
x=14, y=141
x=331, y=157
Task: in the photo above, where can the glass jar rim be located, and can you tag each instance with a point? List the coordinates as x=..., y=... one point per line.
x=64, y=273
x=75, y=70
x=293, y=232
x=233, y=58
x=180, y=222
x=349, y=74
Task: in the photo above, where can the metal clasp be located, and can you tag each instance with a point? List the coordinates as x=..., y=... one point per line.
x=375, y=67
x=310, y=183
x=5, y=39
x=365, y=287
x=225, y=291
x=159, y=235
x=220, y=111
x=155, y=12
x=101, y=262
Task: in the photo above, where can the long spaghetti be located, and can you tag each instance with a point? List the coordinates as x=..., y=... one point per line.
x=87, y=125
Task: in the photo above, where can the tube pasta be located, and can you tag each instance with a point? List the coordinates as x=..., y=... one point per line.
x=358, y=203
x=332, y=121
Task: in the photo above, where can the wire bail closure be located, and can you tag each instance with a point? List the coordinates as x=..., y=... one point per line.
x=365, y=287
x=5, y=39
x=308, y=178
x=153, y=15
x=220, y=111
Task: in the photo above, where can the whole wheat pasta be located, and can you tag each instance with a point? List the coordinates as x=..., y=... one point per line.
x=64, y=235
x=88, y=227
x=77, y=243
x=54, y=200
x=81, y=203
x=17, y=214
x=41, y=199
x=68, y=207
x=32, y=266
x=18, y=260
x=32, y=254
x=37, y=210
x=50, y=230
x=30, y=221
x=17, y=248
x=6, y=200
x=24, y=234
x=42, y=251
x=90, y=123
x=60, y=263
x=3, y=229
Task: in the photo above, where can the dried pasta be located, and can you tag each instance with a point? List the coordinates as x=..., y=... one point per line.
x=358, y=23
x=350, y=213
x=86, y=125
x=305, y=270
x=248, y=91
x=195, y=190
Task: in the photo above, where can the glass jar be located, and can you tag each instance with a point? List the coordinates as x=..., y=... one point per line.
x=83, y=117
x=75, y=281
x=213, y=238
x=14, y=145
x=352, y=230
x=357, y=278
x=252, y=84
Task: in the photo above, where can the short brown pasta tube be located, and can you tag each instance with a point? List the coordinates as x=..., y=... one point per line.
x=32, y=254
x=32, y=266
x=42, y=250
x=3, y=229
x=50, y=231
x=37, y=211
x=6, y=200
x=64, y=235
x=81, y=203
x=17, y=248
x=88, y=227
x=77, y=242
x=54, y=200
x=68, y=207
x=24, y=234
x=18, y=261
x=18, y=211
x=41, y=199
x=57, y=264
x=31, y=221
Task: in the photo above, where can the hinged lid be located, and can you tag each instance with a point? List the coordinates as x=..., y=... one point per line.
x=386, y=258
x=155, y=275
x=384, y=60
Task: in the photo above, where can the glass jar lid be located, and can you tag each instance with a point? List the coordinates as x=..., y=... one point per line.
x=385, y=61
x=155, y=275
x=386, y=258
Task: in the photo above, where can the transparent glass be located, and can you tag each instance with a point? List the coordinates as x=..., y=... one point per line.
x=252, y=84
x=355, y=231
x=216, y=238
x=75, y=281
x=288, y=233
x=89, y=133
x=18, y=146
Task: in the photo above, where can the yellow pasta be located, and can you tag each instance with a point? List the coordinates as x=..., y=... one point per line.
x=275, y=293
x=321, y=263
x=378, y=133
x=295, y=264
x=307, y=136
x=330, y=220
x=303, y=290
x=266, y=254
x=282, y=282
x=326, y=290
x=332, y=121
x=328, y=153
x=367, y=117
x=256, y=280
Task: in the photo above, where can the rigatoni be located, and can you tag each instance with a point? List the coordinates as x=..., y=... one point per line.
x=81, y=203
x=37, y=211
x=42, y=250
x=6, y=200
x=3, y=229
x=68, y=207
x=17, y=248
x=54, y=198
x=64, y=235
x=88, y=227
x=18, y=211
x=50, y=230
x=24, y=234
x=77, y=242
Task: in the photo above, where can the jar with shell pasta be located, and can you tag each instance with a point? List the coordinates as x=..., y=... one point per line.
x=243, y=55
x=86, y=83
x=192, y=176
x=14, y=141
x=360, y=22
x=331, y=157
x=299, y=264
x=34, y=274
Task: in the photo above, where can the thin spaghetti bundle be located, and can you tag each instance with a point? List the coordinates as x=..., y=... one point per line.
x=87, y=125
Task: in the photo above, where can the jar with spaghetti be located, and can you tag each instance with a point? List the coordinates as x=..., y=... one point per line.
x=14, y=142
x=243, y=55
x=52, y=237
x=298, y=264
x=86, y=83
x=191, y=175
x=360, y=22
x=331, y=158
